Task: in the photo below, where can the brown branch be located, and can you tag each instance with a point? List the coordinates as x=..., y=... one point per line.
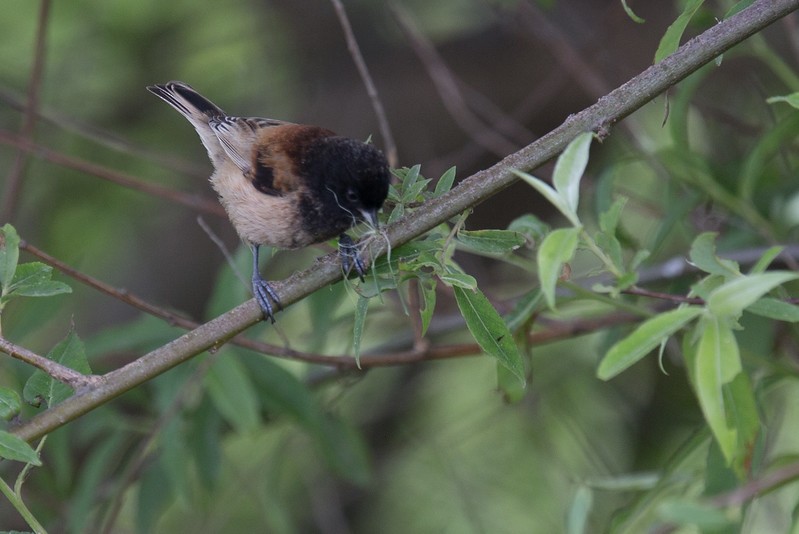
x=663, y=296
x=14, y=184
x=191, y=200
x=70, y=377
x=607, y=111
x=371, y=89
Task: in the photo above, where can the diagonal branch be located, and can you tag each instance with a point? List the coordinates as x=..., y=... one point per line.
x=599, y=117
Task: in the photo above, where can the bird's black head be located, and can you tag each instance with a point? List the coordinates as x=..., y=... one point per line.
x=349, y=183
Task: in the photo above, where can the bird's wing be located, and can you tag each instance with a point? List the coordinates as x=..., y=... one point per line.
x=238, y=137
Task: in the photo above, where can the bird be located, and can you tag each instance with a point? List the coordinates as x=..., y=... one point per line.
x=283, y=184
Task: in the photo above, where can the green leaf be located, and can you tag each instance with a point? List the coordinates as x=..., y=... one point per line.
x=41, y=387
x=551, y=195
x=508, y=383
x=491, y=241
x=717, y=362
x=233, y=394
x=633, y=16
x=531, y=226
x=609, y=220
x=703, y=256
x=703, y=517
x=733, y=297
x=671, y=39
x=556, y=249
x=357, y=327
x=765, y=260
x=643, y=340
x=775, y=309
x=33, y=280
x=569, y=170
x=579, y=510
x=9, y=256
x=744, y=416
x=10, y=403
x=427, y=287
x=489, y=330
x=524, y=309
x=456, y=278
x=611, y=246
x=444, y=183
x=15, y=448
x=791, y=99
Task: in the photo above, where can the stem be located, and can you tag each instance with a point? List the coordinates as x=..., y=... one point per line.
x=19, y=506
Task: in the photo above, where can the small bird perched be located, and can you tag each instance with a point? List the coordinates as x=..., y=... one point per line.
x=282, y=184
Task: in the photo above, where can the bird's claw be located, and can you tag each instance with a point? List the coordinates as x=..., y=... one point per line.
x=350, y=257
x=265, y=295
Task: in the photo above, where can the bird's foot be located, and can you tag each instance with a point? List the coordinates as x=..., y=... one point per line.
x=350, y=257
x=266, y=297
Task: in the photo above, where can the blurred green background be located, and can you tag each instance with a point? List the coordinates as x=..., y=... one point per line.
x=428, y=447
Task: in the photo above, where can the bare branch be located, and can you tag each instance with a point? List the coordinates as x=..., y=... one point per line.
x=363, y=70
x=448, y=89
x=17, y=173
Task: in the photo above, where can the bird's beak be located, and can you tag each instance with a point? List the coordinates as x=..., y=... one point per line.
x=370, y=216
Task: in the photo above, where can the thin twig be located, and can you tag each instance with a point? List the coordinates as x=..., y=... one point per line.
x=105, y=138
x=448, y=89
x=14, y=184
x=59, y=372
x=371, y=89
x=663, y=296
x=191, y=200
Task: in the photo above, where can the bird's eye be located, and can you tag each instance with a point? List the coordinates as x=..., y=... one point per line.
x=352, y=195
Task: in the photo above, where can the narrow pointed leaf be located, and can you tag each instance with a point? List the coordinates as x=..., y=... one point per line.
x=733, y=297
x=489, y=330
x=775, y=309
x=491, y=241
x=444, y=183
x=569, y=170
x=643, y=340
x=557, y=248
x=551, y=195
x=671, y=39
x=717, y=362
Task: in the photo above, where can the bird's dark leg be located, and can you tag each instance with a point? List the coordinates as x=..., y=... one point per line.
x=261, y=289
x=350, y=257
